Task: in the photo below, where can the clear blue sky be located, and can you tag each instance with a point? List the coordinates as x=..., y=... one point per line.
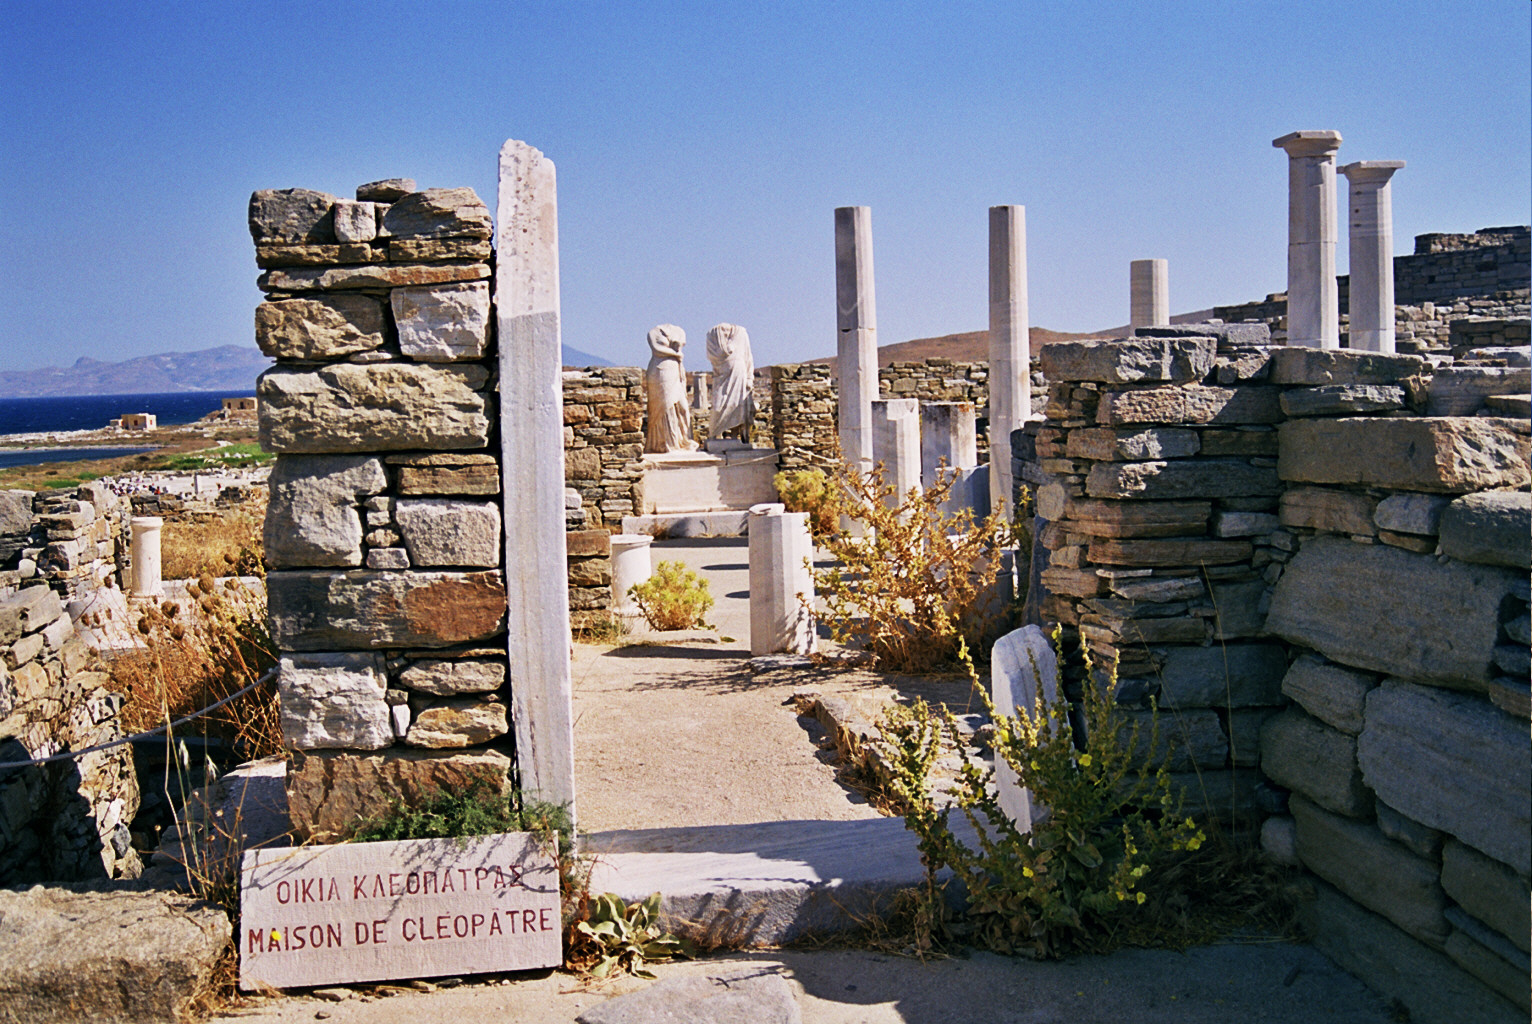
x=701, y=149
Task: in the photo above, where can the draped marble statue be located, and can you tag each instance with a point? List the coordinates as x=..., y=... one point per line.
x=728, y=349
x=670, y=418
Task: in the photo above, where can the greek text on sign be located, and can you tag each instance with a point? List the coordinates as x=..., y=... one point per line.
x=417, y=908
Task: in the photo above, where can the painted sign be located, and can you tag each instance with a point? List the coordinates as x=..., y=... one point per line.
x=417, y=908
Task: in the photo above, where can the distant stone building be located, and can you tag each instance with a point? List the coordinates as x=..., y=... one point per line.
x=139, y=421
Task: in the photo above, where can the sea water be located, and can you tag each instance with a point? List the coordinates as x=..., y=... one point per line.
x=93, y=412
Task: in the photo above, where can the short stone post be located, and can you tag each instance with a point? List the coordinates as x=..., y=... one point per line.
x=896, y=444
x=1313, y=302
x=146, y=555
x=532, y=445
x=1372, y=253
x=1020, y=660
x=781, y=582
x=856, y=322
x=948, y=440
x=1149, y=293
x=632, y=562
x=1010, y=355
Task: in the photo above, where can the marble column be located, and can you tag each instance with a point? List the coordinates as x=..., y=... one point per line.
x=781, y=581
x=144, y=549
x=1149, y=293
x=1010, y=355
x=856, y=322
x=948, y=440
x=532, y=457
x=632, y=562
x=896, y=444
x=1372, y=253
x=1313, y=306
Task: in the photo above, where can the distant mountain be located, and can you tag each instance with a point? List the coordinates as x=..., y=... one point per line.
x=574, y=357
x=226, y=368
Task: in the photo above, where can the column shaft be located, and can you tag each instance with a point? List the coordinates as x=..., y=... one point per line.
x=1313, y=304
x=856, y=322
x=1149, y=293
x=1010, y=356
x=1371, y=225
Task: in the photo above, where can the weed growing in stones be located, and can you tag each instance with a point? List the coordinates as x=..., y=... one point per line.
x=673, y=598
x=478, y=812
x=614, y=936
x=920, y=583
x=808, y=490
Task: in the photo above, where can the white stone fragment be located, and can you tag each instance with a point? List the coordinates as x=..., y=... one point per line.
x=1020, y=660
x=896, y=445
x=443, y=532
x=856, y=323
x=355, y=222
x=444, y=322
x=1149, y=293
x=334, y=700
x=145, y=552
x=781, y=582
x=632, y=563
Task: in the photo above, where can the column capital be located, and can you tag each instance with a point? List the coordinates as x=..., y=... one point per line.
x=1310, y=143
x=1370, y=172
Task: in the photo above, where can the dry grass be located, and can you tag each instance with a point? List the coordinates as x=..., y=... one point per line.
x=222, y=544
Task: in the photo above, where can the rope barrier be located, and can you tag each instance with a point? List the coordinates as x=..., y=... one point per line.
x=268, y=675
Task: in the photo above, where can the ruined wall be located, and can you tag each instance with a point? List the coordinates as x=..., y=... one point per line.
x=66, y=820
x=77, y=540
x=803, y=416
x=604, y=441
x=1318, y=562
x=383, y=535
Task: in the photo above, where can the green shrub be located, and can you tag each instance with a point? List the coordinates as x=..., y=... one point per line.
x=673, y=598
x=479, y=812
x=1073, y=882
x=808, y=490
x=617, y=936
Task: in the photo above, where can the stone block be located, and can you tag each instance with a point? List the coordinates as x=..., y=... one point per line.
x=1461, y=390
x=1484, y=963
x=1331, y=693
x=1441, y=619
x=582, y=464
x=378, y=407
x=1342, y=399
x=1489, y=890
x=1308, y=757
x=1168, y=481
x=387, y=558
x=1173, y=552
x=270, y=256
x=1431, y=988
x=1241, y=608
x=585, y=543
x=368, y=276
x=457, y=722
x=23, y=650
x=1418, y=514
x=27, y=611
x=1225, y=676
x=1451, y=455
x=1313, y=367
x=439, y=213
x=388, y=190
x=1379, y=874
x=324, y=611
x=442, y=323
x=1130, y=518
x=448, y=677
x=1419, y=839
x=1452, y=762
x=427, y=249
x=444, y=532
x=355, y=222
x=292, y=215
x=1320, y=508
x=322, y=328
x=1279, y=840
x=15, y=513
x=311, y=516
x=334, y=701
x=1244, y=729
x=1180, y=360
x=1244, y=524
x=1025, y=674
x=1191, y=404
x=1227, y=794
x=1254, y=442
x=329, y=792
x=446, y=473
x=1491, y=528
x=107, y=956
x=726, y=995
x=1108, y=445
x=1188, y=739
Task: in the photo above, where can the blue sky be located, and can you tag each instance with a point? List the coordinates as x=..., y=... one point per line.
x=701, y=149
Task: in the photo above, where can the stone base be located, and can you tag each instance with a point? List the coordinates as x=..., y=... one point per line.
x=700, y=524
x=329, y=791
x=685, y=482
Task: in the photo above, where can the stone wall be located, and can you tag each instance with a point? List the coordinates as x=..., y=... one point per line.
x=77, y=540
x=604, y=441
x=67, y=820
x=1318, y=562
x=383, y=535
x=803, y=423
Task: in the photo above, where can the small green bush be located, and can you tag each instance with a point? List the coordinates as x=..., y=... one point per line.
x=808, y=490
x=479, y=812
x=673, y=598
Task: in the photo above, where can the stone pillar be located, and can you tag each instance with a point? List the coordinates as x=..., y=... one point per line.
x=532, y=443
x=1023, y=667
x=1010, y=355
x=631, y=563
x=856, y=323
x=896, y=444
x=1149, y=293
x=781, y=582
x=1313, y=305
x=948, y=440
x=146, y=555
x=1372, y=253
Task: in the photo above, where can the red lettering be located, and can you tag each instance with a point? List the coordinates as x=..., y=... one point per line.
x=494, y=924
x=412, y=883
x=542, y=916
x=444, y=926
x=358, y=887
x=404, y=929
x=528, y=920
x=284, y=892
x=255, y=940
x=295, y=939
x=430, y=884
x=379, y=935
x=306, y=891
x=447, y=881
x=332, y=935
x=464, y=873
x=393, y=885
x=477, y=923
x=377, y=886
x=361, y=933
x=460, y=926
x=334, y=893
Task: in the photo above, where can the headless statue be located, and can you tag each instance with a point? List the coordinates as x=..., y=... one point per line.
x=670, y=418
x=728, y=349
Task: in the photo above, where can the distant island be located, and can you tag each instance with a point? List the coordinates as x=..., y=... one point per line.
x=225, y=368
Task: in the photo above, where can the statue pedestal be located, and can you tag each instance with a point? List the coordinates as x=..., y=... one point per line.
x=732, y=477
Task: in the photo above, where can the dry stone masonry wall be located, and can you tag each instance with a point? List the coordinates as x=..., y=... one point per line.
x=1318, y=561
x=383, y=534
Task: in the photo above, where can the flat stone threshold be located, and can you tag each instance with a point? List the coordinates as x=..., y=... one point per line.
x=761, y=884
x=715, y=523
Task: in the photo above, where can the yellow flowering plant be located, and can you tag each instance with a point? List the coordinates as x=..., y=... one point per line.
x=1110, y=820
